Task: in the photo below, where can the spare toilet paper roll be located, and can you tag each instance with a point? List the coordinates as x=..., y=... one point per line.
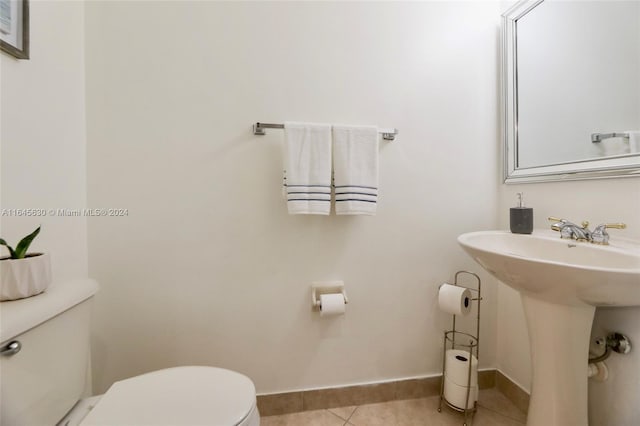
x=456, y=367
x=456, y=394
x=331, y=304
x=454, y=299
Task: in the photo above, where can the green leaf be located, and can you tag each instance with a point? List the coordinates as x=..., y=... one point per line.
x=23, y=245
x=11, y=252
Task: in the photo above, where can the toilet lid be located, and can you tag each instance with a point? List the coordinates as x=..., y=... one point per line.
x=176, y=396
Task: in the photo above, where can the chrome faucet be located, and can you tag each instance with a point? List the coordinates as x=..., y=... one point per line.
x=571, y=230
x=582, y=233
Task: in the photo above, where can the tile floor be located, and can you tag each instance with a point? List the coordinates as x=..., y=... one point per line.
x=494, y=409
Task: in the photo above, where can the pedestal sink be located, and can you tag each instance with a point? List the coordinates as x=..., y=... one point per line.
x=560, y=282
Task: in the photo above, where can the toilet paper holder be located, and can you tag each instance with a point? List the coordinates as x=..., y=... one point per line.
x=470, y=347
x=326, y=287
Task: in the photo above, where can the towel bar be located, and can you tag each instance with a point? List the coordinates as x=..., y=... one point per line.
x=599, y=137
x=258, y=129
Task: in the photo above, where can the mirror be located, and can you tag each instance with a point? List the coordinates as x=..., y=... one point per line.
x=571, y=90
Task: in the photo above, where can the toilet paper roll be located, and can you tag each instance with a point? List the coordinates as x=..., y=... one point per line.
x=456, y=394
x=454, y=300
x=456, y=367
x=331, y=304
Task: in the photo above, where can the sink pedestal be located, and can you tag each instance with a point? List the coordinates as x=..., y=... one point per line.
x=559, y=338
x=560, y=282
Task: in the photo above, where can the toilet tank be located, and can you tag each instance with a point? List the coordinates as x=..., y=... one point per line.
x=40, y=383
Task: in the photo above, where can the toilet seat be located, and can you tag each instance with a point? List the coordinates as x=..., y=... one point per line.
x=178, y=396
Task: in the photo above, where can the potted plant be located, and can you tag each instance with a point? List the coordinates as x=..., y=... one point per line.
x=23, y=274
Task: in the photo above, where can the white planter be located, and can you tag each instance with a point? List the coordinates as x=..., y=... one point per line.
x=20, y=278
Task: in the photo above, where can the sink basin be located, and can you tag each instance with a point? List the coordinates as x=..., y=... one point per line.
x=558, y=270
x=560, y=282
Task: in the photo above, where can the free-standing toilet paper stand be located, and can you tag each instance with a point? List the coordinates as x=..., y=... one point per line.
x=457, y=340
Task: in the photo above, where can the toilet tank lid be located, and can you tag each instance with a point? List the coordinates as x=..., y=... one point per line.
x=189, y=395
x=18, y=316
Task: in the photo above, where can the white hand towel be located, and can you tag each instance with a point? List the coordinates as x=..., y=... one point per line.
x=308, y=168
x=355, y=168
x=634, y=141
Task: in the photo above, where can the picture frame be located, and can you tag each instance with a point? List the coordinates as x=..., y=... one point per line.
x=14, y=28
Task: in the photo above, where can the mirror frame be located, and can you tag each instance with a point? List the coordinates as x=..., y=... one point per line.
x=610, y=167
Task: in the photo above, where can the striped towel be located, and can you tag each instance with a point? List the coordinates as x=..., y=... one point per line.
x=355, y=165
x=307, y=168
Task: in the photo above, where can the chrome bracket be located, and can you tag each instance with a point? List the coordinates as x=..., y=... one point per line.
x=258, y=130
x=11, y=348
x=619, y=343
x=616, y=342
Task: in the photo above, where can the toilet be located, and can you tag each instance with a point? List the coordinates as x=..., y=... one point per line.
x=46, y=374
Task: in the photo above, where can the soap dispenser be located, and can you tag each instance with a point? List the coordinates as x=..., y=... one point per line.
x=521, y=217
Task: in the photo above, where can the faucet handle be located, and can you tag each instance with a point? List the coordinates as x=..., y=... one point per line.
x=558, y=222
x=585, y=223
x=600, y=234
x=614, y=225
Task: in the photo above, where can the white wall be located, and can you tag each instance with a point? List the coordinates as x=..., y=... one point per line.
x=42, y=153
x=208, y=268
x=598, y=201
